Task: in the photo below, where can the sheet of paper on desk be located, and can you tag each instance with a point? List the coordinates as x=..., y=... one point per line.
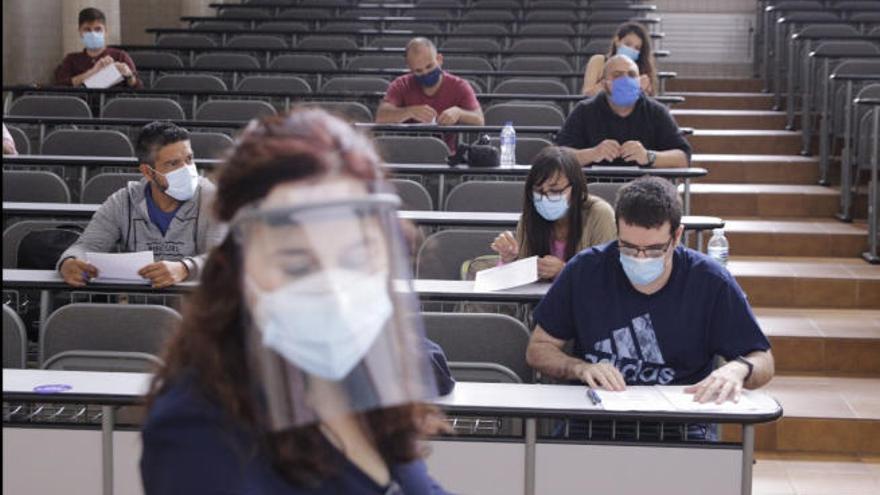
x=120, y=267
x=685, y=402
x=520, y=272
x=634, y=398
x=105, y=78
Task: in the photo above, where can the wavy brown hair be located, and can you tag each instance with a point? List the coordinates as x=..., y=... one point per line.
x=646, y=63
x=210, y=345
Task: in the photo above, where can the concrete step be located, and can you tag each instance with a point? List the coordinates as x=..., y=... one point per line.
x=758, y=169
x=730, y=119
x=830, y=415
x=753, y=142
x=763, y=200
x=714, y=85
x=831, y=342
x=798, y=473
x=724, y=101
x=816, y=237
x=813, y=283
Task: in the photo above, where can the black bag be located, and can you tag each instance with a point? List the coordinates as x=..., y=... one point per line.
x=40, y=249
x=478, y=154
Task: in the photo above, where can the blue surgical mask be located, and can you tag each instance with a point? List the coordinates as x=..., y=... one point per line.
x=642, y=271
x=550, y=210
x=628, y=52
x=625, y=91
x=429, y=79
x=325, y=333
x=182, y=183
x=93, y=40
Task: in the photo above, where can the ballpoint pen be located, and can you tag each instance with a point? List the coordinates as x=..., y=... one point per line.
x=594, y=397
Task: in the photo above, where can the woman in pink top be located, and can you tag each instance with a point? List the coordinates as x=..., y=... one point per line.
x=549, y=227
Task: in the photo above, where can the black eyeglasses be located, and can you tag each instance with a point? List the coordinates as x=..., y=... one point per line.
x=552, y=196
x=652, y=251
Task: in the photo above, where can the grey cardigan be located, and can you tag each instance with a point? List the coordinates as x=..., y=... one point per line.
x=122, y=223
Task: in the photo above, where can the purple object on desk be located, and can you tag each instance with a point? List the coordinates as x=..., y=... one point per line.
x=52, y=388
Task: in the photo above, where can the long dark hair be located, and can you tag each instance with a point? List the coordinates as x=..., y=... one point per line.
x=646, y=62
x=538, y=230
x=210, y=344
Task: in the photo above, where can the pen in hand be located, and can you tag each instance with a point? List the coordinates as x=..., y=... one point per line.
x=594, y=397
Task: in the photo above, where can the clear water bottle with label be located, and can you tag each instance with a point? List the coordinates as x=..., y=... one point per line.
x=719, y=248
x=508, y=145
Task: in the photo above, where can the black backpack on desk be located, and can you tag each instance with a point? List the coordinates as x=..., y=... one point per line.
x=40, y=249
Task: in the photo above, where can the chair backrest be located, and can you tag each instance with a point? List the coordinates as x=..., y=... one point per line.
x=107, y=327
x=14, y=234
x=483, y=29
x=531, y=86
x=364, y=12
x=233, y=110
x=532, y=45
x=550, y=65
x=438, y=3
x=122, y=362
x=256, y=41
x=389, y=41
x=481, y=338
x=498, y=4
x=543, y=114
x=412, y=149
x=527, y=148
x=605, y=190
x=347, y=26
x=50, y=106
x=14, y=340
x=311, y=14
x=466, y=62
x=244, y=13
x=196, y=82
x=37, y=186
x=377, y=62
x=355, y=84
x=596, y=47
x=828, y=30
x=81, y=142
x=419, y=28
x=101, y=186
x=546, y=27
x=352, y=111
x=143, y=108
x=186, y=41
x=442, y=253
x=156, y=60
x=327, y=42
x=486, y=196
x=482, y=372
x=489, y=15
x=549, y=16
x=209, y=144
x=226, y=61
x=847, y=48
x=303, y=61
x=413, y=196
x=487, y=44
x=289, y=84
x=864, y=17
x=219, y=25
x=282, y=26
x=857, y=67
x=22, y=143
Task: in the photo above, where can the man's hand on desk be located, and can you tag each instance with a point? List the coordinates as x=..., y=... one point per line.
x=164, y=273
x=77, y=272
x=600, y=375
x=724, y=383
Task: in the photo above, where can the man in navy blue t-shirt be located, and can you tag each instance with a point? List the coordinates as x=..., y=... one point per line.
x=643, y=310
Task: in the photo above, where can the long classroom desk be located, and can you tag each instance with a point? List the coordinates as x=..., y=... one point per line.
x=475, y=464
x=410, y=7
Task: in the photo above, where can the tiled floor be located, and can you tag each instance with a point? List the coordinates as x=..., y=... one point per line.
x=815, y=475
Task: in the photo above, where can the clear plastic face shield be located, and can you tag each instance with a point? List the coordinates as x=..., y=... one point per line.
x=334, y=325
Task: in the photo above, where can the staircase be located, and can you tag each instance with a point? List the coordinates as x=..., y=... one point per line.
x=814, y=297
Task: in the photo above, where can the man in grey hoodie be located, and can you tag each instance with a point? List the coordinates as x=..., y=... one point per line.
x=167, y=212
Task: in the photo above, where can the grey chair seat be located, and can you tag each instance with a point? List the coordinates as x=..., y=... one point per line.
x=98, y=188
x=210, y=144
x=13, y=235
x=256, y=41
x=550, y=65
x=442, y=253
x=14, y=340
x=226, y=61
x=536, y=86
x=413, y=196
x=80, y=142
x=412, y=149
x=528, y=114
x=157, y=60
x=195, y=82
x=303, y=61
x=281, y=84
x=527, y=148
x=355, y=84
x=377, y=62
x=186, y=40
x=351, y=111
x=49, y=106
x=486, y=196
x=233, y=110
x=327, y=42
x=22, y=143
x=37, y=186
x=142, y=108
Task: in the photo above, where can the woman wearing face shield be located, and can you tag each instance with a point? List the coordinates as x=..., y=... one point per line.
x=300, y=367
x=559, y=219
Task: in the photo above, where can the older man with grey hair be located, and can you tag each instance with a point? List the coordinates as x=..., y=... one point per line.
x=623, y=126
x=428, y=94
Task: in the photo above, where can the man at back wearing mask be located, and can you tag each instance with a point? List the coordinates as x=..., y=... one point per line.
x=428, y=94
x=622, y=126
x=663, y=311
x=79, y=66
x=167, y=212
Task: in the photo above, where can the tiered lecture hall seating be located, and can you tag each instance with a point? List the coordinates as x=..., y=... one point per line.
x=802, y=268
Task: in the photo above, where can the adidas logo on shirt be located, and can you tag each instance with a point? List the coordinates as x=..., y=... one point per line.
x=635, y=352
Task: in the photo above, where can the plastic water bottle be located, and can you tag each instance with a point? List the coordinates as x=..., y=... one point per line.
x=719, y=248
x=508, y=145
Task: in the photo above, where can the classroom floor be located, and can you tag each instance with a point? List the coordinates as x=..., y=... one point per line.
x=814, y=474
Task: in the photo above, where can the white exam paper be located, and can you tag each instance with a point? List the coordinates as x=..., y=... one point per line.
x=105, y=78
x=634, y=398
x=120, y=267
x=685, y=402
x=520, y=272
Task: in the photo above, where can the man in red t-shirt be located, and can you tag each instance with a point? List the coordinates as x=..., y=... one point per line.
x=79, y=66
x=428, y=94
